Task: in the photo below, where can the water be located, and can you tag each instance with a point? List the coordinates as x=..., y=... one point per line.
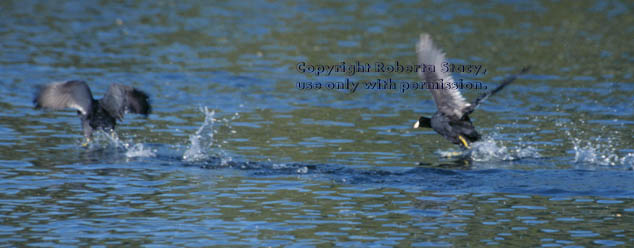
x=235, y=154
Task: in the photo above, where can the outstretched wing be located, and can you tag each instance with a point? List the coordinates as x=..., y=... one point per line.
x=484, y=96
x=121, y=99
x=60, y=95
x=448, y=100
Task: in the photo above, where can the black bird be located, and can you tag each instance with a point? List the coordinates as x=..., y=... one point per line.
x=99, y=114
x=452, y=118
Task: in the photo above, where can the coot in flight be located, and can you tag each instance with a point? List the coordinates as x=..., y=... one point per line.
x=452, y=118
x=99, y=114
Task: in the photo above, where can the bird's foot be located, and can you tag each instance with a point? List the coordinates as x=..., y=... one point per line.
x=86, y=142
x=452, y=154
x=464, y=142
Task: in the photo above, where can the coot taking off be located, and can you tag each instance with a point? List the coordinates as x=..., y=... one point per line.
x=94, y=114
x=452, y=118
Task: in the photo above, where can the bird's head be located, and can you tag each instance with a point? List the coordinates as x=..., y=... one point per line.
x=423, y=122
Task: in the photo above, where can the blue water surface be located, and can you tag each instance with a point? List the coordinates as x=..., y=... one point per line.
x=236, y=154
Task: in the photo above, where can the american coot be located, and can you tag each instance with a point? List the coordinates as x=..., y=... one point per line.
x=99, y=114
x=452, y=118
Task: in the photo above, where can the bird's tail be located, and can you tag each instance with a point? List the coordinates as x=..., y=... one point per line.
x=484, y=96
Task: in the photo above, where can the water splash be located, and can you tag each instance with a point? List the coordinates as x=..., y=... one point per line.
x=103, y=139
x=138, y=150
x=489, y=149
x=599, y=151
x=202, y=139
x=202, y=144
x=596, y=150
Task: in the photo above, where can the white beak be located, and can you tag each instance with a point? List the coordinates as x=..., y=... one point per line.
x=417, y=124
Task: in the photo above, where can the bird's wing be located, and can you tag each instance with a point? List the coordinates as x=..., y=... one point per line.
x=121, y=99
x=504, y=83
x=448, y=100
x=60, y=95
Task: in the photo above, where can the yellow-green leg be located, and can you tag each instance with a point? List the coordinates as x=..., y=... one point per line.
x=86, y=142
x=464, y=142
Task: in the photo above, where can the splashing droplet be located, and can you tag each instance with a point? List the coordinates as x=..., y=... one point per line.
x=202, y=139
x=138, y=150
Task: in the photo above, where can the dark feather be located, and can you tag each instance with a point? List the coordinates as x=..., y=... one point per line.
x=138, y=102
x=484, y=96
x=423, y=122
x=73, y=94
x=121, y=99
